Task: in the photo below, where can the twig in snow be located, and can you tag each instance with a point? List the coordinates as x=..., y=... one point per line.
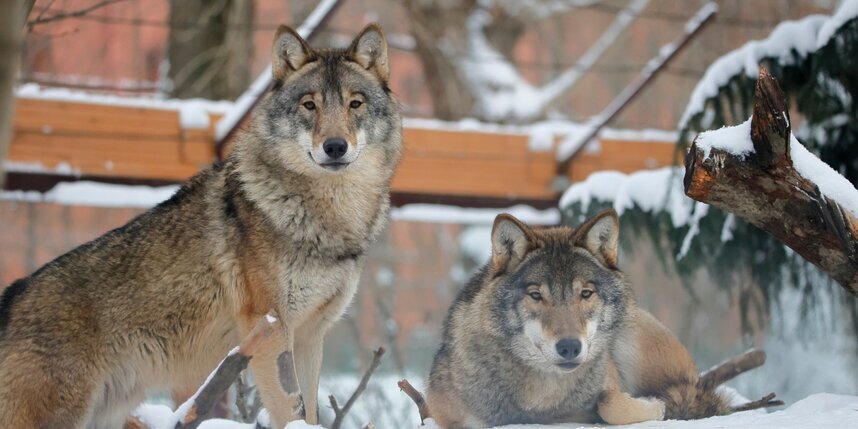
x=417, y=397
x=340, y=412
x=765, y=401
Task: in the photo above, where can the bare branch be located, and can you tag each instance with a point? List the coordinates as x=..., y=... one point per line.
x=70, y=14
x=340, y=413
x=731, y=368
x=417, y=397
x=765, y=401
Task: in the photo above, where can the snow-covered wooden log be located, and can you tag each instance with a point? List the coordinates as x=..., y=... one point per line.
x=760, y=172
x=197, y=408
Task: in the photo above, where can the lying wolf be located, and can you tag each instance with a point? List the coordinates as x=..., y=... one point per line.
x=282, y=226
x=548, y=332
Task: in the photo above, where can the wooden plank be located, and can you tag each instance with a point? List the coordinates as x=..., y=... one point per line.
x=92, y=118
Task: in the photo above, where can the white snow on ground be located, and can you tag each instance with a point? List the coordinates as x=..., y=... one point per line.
x=822, y=410
x=193, y=113
x=790, y=41
x=737, y=141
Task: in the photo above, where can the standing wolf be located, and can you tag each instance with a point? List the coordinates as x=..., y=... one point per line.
x=549, y=332
x=282, y=226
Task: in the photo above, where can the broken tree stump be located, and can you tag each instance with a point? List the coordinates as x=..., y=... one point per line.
x=765, y=189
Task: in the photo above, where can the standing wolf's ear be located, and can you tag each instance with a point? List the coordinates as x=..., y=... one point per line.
x=290, y=52
x=369, y=49
x=600, y=235
x=511, y=240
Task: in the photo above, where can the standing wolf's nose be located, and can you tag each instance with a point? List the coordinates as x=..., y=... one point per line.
x=568, y=348
x=335, y=147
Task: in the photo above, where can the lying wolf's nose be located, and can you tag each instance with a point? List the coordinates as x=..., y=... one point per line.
x=568, y=348
x=335, y=147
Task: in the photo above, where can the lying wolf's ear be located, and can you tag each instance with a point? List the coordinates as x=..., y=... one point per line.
x=369, y=49
x=511, y=240
x=289, y=54
x=600, y=235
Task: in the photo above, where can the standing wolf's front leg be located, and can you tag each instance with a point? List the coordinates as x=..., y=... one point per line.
x=309, y=344
x=274, y=371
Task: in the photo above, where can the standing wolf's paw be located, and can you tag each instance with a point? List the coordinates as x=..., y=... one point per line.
x=299, y=409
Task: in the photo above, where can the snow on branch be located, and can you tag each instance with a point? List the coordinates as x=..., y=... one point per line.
x=760, y=172
x=789, y=43
x=501, y=92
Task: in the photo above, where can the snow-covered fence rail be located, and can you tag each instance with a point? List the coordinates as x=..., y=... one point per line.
x=58, y=134
x=760, y=172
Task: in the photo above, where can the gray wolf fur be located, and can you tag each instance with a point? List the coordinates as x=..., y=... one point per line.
x=282, y=226
x=548, y=332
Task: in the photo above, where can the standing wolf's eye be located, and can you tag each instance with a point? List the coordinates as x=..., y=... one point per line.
x=354, y=104
x=586, y=293
x=536, y=296
x=309, y=105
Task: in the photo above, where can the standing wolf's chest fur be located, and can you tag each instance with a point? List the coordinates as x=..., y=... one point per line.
x=306, y=245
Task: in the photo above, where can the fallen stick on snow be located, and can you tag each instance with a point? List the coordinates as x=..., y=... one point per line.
x=765, y=401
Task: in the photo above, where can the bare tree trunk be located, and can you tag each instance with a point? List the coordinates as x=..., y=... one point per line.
x=429, y=23
x=210, y=48
x=13, y=15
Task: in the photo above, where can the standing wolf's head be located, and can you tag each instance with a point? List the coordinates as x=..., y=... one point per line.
x=559, y=294
x=330, y=110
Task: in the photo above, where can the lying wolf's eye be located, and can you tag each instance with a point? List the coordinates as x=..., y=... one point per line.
x=536, y=296
x=354, y=104
x=309, y=105
x=586, y=293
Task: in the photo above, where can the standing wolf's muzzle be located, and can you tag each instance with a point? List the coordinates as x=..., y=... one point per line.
x=335, y=147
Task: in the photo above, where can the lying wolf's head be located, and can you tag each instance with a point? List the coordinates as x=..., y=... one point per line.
x=559, y=293
x=330, y=109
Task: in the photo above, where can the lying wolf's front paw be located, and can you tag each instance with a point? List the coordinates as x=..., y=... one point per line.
x=657, y=408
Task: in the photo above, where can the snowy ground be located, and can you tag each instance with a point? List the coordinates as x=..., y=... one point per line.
x=821, y=410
